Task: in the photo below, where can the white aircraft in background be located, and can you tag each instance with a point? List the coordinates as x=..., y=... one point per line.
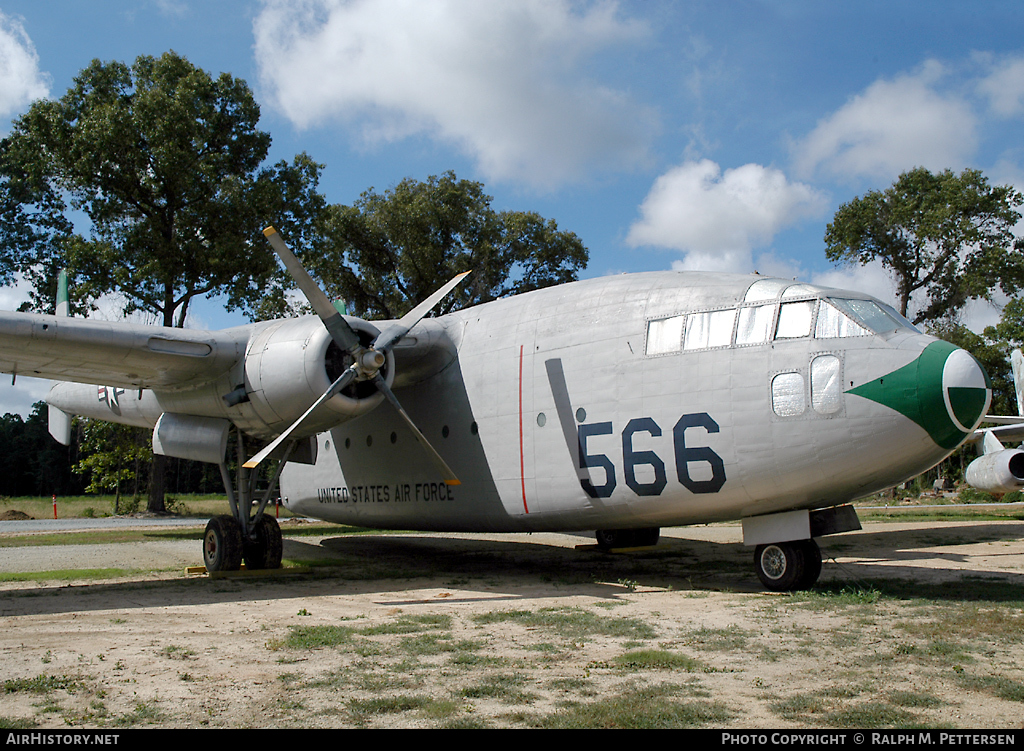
x=999, y=470
x=620, y=404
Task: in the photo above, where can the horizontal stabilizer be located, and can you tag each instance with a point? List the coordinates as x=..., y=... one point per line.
x=1003, y=433
x=1003, y=419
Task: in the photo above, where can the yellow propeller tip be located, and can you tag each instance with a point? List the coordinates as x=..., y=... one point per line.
x=269, y=231
x=251, y=465
x=452, y=482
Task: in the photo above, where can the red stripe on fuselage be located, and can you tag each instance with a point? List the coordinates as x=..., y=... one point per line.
x=522, y=460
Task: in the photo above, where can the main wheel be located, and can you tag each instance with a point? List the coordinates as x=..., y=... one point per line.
x=780, y=565
x=222, y=544
x=265, y=550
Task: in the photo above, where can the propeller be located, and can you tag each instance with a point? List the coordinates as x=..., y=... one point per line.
x=366, y=361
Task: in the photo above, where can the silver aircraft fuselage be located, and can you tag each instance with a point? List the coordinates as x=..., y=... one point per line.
x=648, y=400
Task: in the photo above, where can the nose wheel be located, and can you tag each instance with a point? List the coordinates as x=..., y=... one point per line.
x=788, y=566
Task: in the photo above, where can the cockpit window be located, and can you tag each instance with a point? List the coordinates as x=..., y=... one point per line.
x=665, y=335
x=833, y=323
x=711, y=329
x=755, y=324
x=899, y=318
x=871, y=315
x=795, y=319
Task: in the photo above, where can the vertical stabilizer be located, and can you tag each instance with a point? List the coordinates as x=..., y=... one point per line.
x=63, y=309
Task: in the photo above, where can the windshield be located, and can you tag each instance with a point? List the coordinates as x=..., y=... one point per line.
x=872, y=315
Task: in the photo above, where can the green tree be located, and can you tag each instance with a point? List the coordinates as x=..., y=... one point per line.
x=992, y=348
x=388, y=252
x=114, y=457
x=31, y=462
x=165, y=162
x=946, y=235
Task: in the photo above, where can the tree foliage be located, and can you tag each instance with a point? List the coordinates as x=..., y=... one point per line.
x=114, y=457
x=992, y=349
x=31, y=462
x=946, y=235
x=386, y=253
x=165, y=161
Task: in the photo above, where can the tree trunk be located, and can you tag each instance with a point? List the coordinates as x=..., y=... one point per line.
x=157, y=481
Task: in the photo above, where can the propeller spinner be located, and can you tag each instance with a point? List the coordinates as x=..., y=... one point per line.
x=366, y=361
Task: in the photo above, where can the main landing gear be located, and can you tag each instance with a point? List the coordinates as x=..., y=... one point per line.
x=244, y=534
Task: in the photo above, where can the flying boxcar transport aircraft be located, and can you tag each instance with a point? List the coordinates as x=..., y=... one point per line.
x=620, y=404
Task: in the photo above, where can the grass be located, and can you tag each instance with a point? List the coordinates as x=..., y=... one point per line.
x=658, y=659
x=316, y=637
x=44, y=684
x=65, y=574
x=571, y=623
x=648, y=707
x=90, y=506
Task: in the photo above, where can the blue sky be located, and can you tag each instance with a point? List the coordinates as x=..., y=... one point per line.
x=692, y=135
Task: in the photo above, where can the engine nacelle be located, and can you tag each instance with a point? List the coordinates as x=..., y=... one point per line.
x=998, y=472
x=291, y=363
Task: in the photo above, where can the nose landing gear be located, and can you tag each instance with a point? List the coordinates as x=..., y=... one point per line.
x=787, y=566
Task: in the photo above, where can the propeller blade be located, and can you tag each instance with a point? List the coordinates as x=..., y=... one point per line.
x=386, y=339
x=367, y=361
x=340, y=331
x=342, y=381
x=445, y=470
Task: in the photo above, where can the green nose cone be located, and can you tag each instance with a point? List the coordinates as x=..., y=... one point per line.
x=945, y=391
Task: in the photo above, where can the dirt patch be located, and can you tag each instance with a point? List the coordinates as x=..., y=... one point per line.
x=13, y=515
x=911, y=625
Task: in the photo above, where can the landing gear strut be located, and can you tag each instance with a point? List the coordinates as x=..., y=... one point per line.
x=244, y=533
x=787, y=566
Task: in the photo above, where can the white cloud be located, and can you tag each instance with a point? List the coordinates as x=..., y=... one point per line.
x=1004, y=87
x=18, y=398
x=503, y=80
x=21, y=81
x=872, y=279
x=891, y=127
x=718, y=218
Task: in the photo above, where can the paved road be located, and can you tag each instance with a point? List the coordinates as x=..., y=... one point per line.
x=111, y=522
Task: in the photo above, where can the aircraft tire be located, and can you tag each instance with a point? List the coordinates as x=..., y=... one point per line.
x=265, y=551
x=812, y=564
x=781, y=565
x=609, y=539
x=222, y=544
x=645, y=538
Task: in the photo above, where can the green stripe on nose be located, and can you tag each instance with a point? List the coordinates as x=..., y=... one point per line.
x=945, y=391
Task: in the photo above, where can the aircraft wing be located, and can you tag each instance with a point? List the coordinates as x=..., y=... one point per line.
x=115, y=353
x=1011, y=432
